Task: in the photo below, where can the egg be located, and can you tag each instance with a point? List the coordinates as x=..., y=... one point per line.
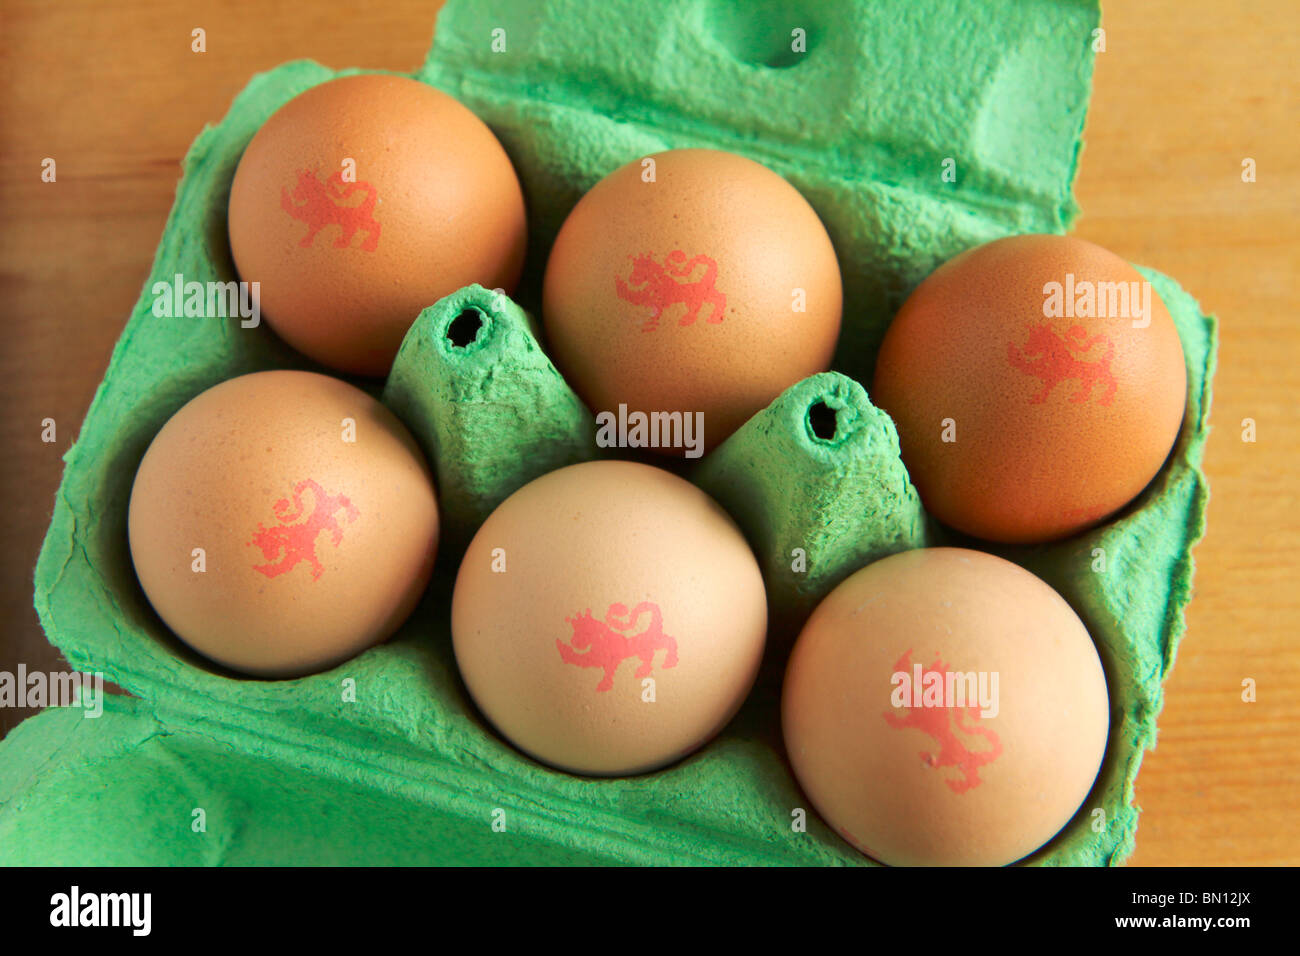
x=1037, y=383
x=693, y=281
x=282, y=522
x=362, y=201
x=608, y=618
x=945, y=707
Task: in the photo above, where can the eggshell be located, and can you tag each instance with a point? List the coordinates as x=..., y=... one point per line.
x=1055, y=423
x=926, y=785
x=608, y=618
x=313, y=547
x=346, y=264
x=682, y=294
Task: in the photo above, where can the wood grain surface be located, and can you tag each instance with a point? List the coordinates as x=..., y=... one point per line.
x=1185, y=91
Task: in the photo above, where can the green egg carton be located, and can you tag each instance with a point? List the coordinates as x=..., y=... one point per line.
x=863, y=105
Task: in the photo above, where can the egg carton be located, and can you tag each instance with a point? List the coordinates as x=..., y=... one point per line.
x=384, y=759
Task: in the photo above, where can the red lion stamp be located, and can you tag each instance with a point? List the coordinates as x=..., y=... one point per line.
x=293, y=540
x=605, y=644
x=661, y=287
x=1053, y=358
x=941, y=724
x=320, y=204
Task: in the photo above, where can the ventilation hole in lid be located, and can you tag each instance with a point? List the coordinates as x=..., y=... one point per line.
x=464, y=329
x=823, y=421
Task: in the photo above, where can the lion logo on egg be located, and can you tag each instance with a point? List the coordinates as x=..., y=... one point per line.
x=606, y=644
x=660, y=287
x=1052, y=358
x=320, y=204
x=292, y=540
x=942, y=724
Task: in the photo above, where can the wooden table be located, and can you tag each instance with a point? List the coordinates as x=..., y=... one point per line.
x=1184, y=92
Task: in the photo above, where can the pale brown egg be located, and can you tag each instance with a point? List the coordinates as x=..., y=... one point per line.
x=1038, y=384
x=692, y=281
x=945, y=707
x=608, y=618
x=282, y=522
x=364, y=200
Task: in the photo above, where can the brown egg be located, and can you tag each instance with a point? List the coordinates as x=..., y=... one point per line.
x=945, y=707
x=1031, y=399
x=364, y=200
x=708, y=289
x=608, y=618
x=282, y=522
